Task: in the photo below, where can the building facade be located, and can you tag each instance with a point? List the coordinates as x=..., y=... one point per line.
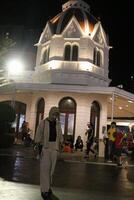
x=71, y=72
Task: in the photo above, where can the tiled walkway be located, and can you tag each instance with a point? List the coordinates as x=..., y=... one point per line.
x=74, y=178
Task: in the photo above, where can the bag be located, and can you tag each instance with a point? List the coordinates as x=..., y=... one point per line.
x=37, y=150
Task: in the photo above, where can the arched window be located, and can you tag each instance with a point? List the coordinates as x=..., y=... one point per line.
x=75, y=53
x=40, y=111
x=45, y=57
x=67, y=53
x=20, y=110
x=101, y=58
x=71, y=53
x=95, y=119
x=67, y=107
x=97, y=57
x=94, y=56
x=48, y=52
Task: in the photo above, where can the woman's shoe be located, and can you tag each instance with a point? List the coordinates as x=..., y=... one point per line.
x=95, y=156
x=50, y=191
x=46, y=195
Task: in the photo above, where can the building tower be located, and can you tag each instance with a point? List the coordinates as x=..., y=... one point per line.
x=73, y=46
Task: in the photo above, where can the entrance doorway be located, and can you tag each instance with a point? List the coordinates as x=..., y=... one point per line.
x=95, y=117
x=67, y=108
x=20, y=111
x=40, y=112
x=95, y=120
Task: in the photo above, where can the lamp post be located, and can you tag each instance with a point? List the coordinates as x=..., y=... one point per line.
x=112, y=113
x=14, y=70
x=14, y=67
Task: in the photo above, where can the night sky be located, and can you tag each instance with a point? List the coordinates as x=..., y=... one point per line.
x=116, y=18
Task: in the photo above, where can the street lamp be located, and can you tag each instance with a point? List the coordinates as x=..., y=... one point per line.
x=14, y=67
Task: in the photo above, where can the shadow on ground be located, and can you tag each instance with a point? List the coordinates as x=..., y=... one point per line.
x=54, y=197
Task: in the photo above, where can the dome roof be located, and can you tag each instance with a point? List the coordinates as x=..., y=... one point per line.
x=80, y=10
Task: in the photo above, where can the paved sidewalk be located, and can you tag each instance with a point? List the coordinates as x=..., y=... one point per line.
x=76, y=156
x=18, y=191
x=74, y=178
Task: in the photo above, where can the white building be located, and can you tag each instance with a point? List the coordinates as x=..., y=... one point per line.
x=71, y=72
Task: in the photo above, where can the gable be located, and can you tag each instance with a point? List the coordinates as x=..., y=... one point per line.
x=46, y=35
x=99, y=36
x=72, y=30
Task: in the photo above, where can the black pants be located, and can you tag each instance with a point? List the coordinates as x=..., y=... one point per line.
x=89, y=144
x=111, y=149
x=106, y=149
x=78, y=146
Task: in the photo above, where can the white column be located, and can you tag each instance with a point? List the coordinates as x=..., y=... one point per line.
x=112, y=113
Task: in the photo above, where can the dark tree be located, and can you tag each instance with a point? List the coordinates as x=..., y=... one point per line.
x=6, y=44
x=7, y=116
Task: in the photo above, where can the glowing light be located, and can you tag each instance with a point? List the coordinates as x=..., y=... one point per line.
x=130, y=101
x=54, y=65
x=87, y=31
x=15, y=67
x=123, y=123
x=86, y=66
x=69, y=100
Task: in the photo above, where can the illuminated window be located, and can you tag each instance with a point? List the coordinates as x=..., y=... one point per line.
x=67, y=55
x=97, y=57
x=45, y=57
x=67, y=107
x=71, y=53
x=39, y=111
x=98, y=61
x=75, y=53
x=94, y=56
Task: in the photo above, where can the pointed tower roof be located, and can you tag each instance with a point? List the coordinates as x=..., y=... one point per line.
x=81, y=11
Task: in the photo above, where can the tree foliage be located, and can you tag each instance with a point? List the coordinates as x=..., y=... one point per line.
x=7, y=113
x=7, y=116
x=6, y=44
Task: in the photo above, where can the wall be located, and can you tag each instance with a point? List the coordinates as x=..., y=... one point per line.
x=83, y=102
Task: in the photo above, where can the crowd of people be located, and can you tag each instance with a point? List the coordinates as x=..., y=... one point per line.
x=118, y=144
x=91, y=143
x=49, y=140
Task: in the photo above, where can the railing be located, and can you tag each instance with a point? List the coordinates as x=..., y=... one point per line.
x=72, y=65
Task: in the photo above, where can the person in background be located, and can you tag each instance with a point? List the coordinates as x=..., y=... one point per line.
x=28, y=140
x=130, y=140
x=111, y=140
x=68, y=144
x=79, y=143
x=118, y=146
x=70, y=141
x=67, y=147
x=105, y=140
x=49, y=135
x=24, y=129
x=90, y=140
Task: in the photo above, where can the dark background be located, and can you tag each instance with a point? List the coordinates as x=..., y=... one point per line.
x=30, y=16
